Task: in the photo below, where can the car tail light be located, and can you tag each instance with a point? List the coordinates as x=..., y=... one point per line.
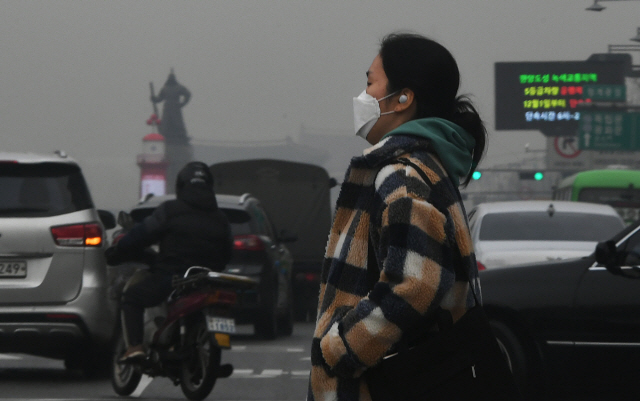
x=78, y=235
x=248, y=243
x=481, y=266
x=311, y=277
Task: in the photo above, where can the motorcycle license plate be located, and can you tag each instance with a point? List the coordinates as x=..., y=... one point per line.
x=221, y=325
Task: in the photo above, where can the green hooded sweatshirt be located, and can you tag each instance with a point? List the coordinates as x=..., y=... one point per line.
x=453, y=145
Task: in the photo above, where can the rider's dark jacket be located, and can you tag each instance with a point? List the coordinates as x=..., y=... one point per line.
x=190, y=231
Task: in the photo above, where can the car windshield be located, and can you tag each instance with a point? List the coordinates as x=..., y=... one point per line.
x=540, y=226
x=239, y=220
x=42, y=189
x=625, y=197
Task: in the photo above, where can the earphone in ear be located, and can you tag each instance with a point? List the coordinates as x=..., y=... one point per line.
x=402, y=99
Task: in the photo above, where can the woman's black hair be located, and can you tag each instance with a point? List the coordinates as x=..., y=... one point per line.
x=427, y=68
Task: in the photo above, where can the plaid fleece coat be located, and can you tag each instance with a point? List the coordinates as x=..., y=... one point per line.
x=418, y=235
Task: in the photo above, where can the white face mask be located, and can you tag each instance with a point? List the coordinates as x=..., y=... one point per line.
x=366, y=111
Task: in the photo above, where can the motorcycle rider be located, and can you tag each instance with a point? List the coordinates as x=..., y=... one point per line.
x=190, y=231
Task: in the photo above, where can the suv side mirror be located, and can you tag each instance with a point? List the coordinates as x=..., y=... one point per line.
x=606, y=253
x=613, y=260
x=287, y=236
x=107, y=218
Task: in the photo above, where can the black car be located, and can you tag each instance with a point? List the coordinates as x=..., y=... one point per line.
x=564, y=321
x=258, y=252
x=307, y=213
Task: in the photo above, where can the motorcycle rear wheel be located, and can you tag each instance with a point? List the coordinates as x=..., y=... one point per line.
x=125, y=377
x=198, y=373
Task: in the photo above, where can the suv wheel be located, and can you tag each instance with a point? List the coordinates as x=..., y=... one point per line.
x=285, y=323
x=266, y=324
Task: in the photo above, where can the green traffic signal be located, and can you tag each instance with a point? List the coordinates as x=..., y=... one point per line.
x=531, y=175
x=476, y=175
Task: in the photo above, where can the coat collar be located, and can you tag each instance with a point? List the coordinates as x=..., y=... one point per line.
x=388, y=149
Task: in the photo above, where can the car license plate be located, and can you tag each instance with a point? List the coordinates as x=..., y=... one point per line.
x=221, y=325
x=16, y=268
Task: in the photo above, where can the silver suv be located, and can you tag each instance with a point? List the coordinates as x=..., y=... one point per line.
x=53, y=279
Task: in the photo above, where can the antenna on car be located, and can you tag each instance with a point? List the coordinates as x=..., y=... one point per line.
x=243, y=198
x=551, y=210
x=61, y=153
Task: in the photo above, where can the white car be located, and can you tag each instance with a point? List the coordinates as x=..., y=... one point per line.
x=523, y=232
x=53, y=275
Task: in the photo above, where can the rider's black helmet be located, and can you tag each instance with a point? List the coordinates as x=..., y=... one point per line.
x=194, y=174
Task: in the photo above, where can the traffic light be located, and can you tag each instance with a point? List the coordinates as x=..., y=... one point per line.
x=531, y=175
x=476, y=175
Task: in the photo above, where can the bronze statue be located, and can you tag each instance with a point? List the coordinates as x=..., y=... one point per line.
x=175, y=96
x=178, y=149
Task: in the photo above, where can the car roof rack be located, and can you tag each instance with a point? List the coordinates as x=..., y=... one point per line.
x=244, y=197
x=61, y=153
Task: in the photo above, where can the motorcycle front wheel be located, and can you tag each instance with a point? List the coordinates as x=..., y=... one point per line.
x=125, y=377
x=198, y=373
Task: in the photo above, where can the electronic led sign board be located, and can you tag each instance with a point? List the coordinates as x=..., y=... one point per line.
x=545, y=95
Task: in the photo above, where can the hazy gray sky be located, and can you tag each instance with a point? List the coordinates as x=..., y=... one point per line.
x=75, y=74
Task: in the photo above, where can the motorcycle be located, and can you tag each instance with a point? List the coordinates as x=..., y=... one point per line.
x=185, y=336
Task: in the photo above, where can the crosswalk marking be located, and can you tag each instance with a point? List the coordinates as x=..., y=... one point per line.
x=242, y=372
x=144, y=383
x=267, y=349
x=239, y=373
x=268, y=374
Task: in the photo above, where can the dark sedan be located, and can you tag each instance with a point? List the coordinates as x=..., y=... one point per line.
x=565, y=321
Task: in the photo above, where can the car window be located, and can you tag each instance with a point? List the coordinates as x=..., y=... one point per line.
x=539, y=226
x=42, y=189
x=239, y=221
x=472, y=219
x=624, y=197
x=632, y=247
x=633, y=243
x=261, y=221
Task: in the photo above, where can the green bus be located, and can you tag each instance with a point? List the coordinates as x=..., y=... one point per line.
x=618, y=188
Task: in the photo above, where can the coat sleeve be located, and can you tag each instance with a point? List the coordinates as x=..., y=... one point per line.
x=146, y=233
x=412, y=242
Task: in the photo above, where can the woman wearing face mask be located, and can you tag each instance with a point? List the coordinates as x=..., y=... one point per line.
x=399, y=247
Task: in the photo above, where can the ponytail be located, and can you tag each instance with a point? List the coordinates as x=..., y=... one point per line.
x=466, y=116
